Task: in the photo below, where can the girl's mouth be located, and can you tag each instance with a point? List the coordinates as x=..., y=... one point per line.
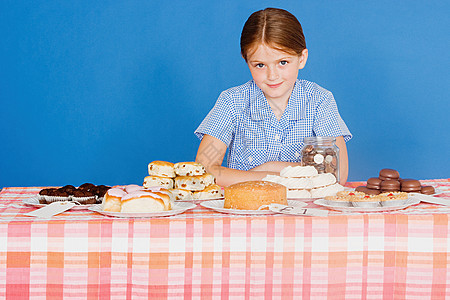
x=274, y=86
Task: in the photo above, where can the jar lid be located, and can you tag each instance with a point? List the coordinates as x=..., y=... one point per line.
x=319, y=139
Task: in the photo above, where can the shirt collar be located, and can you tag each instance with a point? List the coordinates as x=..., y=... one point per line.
x=296, y=108
x=259, y=107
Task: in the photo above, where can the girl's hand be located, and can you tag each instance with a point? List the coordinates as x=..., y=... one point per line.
x=211, y=153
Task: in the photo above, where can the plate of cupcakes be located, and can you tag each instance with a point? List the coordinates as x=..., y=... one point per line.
x=83, y=196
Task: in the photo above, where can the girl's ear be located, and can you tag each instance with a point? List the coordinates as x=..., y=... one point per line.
x=303, y=59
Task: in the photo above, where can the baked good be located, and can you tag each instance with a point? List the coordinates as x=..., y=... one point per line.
x=153, y=181
x=86, y=186
x=181, y=194
x=328, y=190
x=390, y=186
x=61, y=193
x=49, y=192
x=323, y=179
x=133, y=188
x=323, y=184
x=182, y=178
x=145, y=202
x=153, y=199
x=160, y=190
x=343, y=194
x=298, y=171
x=69, y=189
x=374, y=183
x=191, y=183
x=50, y=195
x=161, y=168
x=207, y=179
x=100, y=190
x=84, y=196
x=389, y=181
x=411, y=185
x=359, y=199
x=250, y=195
x=113, y=199
x=291, y=183
x=367, y=191
x=87, y=193
x=389, y=174
x=212, y=191
x=189, y=169
x=427, y=190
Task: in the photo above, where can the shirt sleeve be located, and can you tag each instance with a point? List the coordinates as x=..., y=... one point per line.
x=219, y=122
x=327, y=121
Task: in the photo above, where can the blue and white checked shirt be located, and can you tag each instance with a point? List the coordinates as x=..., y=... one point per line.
x=244, y=121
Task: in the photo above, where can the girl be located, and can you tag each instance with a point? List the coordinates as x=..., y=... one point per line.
x=262, y=123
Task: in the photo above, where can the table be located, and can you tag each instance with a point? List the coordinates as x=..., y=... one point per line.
x=202, y=254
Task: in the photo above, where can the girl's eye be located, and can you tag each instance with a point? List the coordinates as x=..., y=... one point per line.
x=283, y=62
x=260, y=65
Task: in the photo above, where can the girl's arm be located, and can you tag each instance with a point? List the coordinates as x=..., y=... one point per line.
x=343, y=160
x=211, y=153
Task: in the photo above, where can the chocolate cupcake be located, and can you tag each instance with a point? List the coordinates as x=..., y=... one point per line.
x=69, y=189
x=100, y=192
x=83, y=197
x=50, y=195
x=43, y=193
x=87, y=186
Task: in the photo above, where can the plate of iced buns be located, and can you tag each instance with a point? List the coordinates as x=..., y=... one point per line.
x=175, y=209
x=251, y=198
x=386, y=192
x=169, y=189
x=133, y=201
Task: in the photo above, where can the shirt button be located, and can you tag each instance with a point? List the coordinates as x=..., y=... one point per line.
x=250, y=159
x=296, y=154
x=277, y=137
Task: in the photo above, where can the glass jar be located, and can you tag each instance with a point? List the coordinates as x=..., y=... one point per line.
x=322, y=153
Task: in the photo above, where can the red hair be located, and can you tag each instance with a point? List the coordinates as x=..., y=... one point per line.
x=274, y=27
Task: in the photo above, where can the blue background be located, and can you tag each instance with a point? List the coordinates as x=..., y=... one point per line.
x=94, y=91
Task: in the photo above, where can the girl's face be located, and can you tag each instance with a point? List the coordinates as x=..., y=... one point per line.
x=275, y=71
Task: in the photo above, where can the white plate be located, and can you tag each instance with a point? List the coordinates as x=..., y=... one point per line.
x=303, y=199
x=177, y=208
x=217, y=205
x=338, y=205
x=34, y=201
x=198, y=200
x=439, y=190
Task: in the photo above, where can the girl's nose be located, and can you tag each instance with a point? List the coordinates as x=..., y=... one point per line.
x=272, y=73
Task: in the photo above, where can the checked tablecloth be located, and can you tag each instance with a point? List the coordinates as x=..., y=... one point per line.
x=202, y=254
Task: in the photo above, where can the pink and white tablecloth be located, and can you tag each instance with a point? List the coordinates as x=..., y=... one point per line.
x=203, y=254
